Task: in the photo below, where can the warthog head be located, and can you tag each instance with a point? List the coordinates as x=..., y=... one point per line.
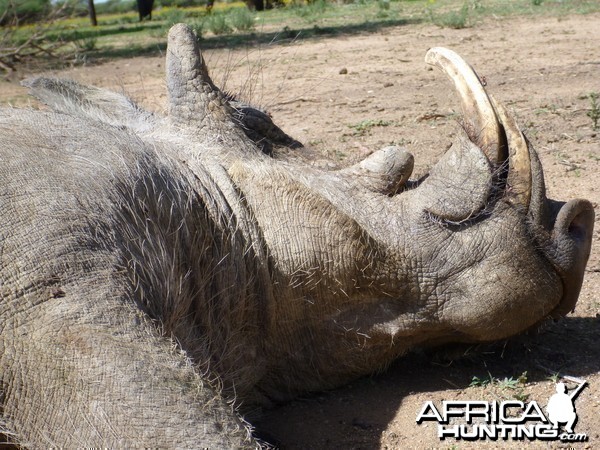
x=273, y=275
x=365, y=262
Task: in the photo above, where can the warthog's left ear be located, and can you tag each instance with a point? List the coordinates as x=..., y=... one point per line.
x=70, y=97
x=197, y=105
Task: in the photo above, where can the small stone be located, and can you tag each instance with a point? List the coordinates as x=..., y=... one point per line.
x=343, y=71
x=388, y=84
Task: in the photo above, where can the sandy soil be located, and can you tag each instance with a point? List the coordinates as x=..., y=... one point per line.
x=323, y=92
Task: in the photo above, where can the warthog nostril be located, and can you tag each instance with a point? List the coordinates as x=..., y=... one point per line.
x=575, y=220
x=581, y=225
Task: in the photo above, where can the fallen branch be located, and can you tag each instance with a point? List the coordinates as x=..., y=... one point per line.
x=12, y=51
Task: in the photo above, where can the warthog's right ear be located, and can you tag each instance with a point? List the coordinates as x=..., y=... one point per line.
x=194, y=100
x=70, y=97
x=197, y=105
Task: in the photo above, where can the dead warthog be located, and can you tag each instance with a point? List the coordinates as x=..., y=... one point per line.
x=156, y=270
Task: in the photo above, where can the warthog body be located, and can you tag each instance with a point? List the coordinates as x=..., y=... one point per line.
x=157, y=269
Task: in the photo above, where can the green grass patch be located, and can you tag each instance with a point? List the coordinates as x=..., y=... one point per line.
x=241, y=19
x=120, y=34
x=507, y=387
x=365, y=126
x=452, y=19
x=217, y=24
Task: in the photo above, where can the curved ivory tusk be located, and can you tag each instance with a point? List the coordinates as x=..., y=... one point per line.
x=483, y=127
x=519, y=162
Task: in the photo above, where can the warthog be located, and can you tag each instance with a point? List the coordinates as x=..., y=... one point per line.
x=159, y=272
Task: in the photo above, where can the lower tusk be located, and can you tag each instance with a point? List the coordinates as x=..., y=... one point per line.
x=519, y=162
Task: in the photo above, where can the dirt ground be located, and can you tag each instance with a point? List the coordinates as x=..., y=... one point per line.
x=346, y=96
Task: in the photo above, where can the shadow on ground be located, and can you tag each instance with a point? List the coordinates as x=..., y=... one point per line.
x=232, y=41
x=360, y=413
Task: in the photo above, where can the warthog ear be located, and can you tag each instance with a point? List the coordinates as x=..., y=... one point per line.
x=261, y=129
x=197, y=104
x=194, y=100
x=70, y=97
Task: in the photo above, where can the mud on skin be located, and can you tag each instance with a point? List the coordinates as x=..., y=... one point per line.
x=202, y=271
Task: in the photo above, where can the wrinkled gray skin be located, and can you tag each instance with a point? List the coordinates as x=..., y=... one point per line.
x=157, y=269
